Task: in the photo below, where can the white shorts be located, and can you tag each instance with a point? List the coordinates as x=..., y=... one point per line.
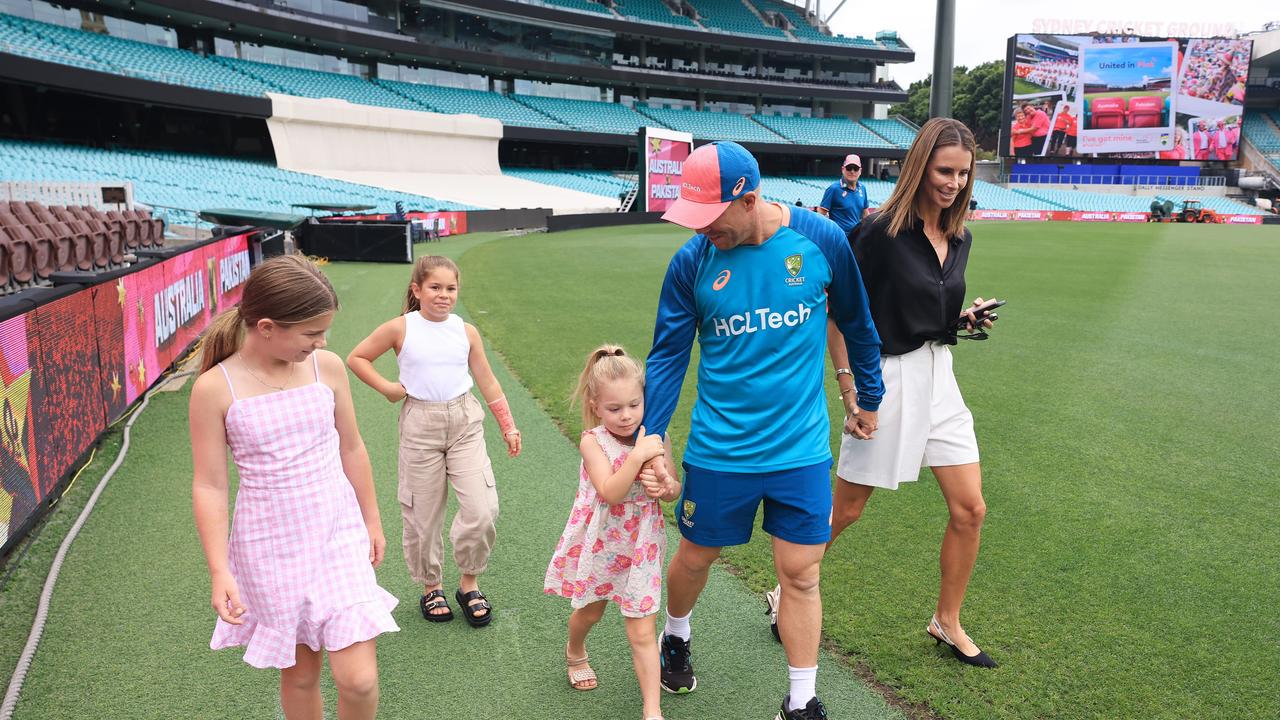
x=923, y=423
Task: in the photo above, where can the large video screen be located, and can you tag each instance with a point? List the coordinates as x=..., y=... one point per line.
x=662, y=156
x=1124, y=97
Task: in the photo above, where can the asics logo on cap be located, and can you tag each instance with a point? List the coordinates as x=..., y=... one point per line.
x=742, y=181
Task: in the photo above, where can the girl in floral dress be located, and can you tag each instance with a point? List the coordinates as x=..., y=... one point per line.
x=614, y=544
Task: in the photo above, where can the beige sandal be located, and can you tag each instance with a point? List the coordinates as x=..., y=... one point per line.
x=579, y=678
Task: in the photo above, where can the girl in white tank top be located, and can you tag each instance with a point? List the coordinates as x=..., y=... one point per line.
x=441, y=435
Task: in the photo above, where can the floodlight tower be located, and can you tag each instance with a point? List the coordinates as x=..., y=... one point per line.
x=944, y=33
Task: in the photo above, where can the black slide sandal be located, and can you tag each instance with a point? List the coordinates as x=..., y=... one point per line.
x=469, y=610
x=433, y=601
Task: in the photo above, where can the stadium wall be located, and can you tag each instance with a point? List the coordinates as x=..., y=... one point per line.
x=75, y=358
x=560, y=223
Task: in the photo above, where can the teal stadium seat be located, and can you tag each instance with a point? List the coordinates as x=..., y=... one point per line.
x=596, y=182
x=1262, y=130
x=454, y=101
x=896, y=131
x=317, y=84
x=712, y=125
x=731, y=16
x=170, y=180
x=68, y=46
x=588, y=115
x=583, y=5
x=651, y=11
x=828, y=132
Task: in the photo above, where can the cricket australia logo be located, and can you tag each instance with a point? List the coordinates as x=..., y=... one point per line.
x=793, y=264
x=686, y=516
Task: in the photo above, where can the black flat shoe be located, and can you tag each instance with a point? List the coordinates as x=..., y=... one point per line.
x=982, y=659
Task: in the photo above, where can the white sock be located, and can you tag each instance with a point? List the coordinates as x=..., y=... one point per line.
x=679, y=626
x=804, y=682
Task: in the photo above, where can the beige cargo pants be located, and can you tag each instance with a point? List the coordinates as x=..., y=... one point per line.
x=442, y=445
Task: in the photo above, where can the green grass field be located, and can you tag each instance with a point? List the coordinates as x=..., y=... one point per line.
x=130, y=621
x=1126, y=412
x=1026, y=87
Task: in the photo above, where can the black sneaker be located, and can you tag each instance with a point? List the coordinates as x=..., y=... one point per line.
x=677, y=671
x=813, y=710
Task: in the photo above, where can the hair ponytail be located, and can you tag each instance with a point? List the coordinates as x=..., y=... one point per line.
x=604, y=364
x=421, y=269
x=288, y=289
x=222, y=339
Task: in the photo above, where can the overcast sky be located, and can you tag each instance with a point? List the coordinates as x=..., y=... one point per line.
x=982, y=26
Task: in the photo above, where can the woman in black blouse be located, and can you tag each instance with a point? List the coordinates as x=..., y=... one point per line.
x=912, y=257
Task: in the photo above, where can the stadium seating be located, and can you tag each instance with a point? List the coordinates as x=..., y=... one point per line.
x=837, y=131
x=317, y=84
x=232, y=75
x=1264, y=135
x=477, y=102
x=1106, y=113
x=712, y=125
x=895, y=130
x=588, y=115
x=596, y=182
x=651, y=11
x=1147, y=111
x=732, y=16
x=16, y=39
x=176, y=184
x=1220, y=205
x=36, y=241
x=67, y=46
x=583, y=5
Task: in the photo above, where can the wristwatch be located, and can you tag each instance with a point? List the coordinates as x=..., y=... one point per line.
x=843, y=371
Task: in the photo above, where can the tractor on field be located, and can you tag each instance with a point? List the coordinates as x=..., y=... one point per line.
x=1193, y=212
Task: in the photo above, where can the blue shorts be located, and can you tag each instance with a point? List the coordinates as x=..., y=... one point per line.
x=718, y=509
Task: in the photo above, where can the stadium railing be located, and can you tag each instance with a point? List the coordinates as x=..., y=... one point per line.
x=1151, y=181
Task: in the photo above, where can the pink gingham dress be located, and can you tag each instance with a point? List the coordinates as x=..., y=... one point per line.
x=610, y=552
x=299, y=549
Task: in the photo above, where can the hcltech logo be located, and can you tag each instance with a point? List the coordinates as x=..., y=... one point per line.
x=760, y=319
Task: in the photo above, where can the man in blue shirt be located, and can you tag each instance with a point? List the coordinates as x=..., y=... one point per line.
x=845, y=201
x=755, y=287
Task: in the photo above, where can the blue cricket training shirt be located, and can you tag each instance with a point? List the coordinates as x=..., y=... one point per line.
x=844, y=205
x=760, y=315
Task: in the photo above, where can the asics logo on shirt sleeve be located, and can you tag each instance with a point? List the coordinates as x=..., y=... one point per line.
x=721, y=280
x=760, y=319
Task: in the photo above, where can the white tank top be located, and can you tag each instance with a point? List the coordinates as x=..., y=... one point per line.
x=433, y=359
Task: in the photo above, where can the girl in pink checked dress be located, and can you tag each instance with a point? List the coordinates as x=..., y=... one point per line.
x=295, y=578
x=614, y=545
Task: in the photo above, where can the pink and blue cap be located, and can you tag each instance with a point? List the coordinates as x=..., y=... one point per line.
x=713, y=176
